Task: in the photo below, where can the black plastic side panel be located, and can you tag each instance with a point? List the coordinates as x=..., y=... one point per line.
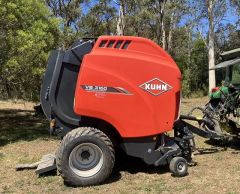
x=66, y=91
x=45, y=90
x=58, y=88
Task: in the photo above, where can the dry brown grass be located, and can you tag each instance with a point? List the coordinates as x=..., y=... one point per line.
x=24, y=138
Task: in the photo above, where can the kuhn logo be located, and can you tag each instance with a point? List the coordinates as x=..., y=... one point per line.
x=156, y=86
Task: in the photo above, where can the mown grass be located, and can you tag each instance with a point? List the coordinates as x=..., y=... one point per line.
x=25, y=138
x=21, y=125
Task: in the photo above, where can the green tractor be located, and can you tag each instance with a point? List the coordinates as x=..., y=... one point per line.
x=222, y=112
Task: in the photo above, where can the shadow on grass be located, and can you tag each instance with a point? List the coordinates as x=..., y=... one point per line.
x=233, y=143
x=127, y=164
x=17, y=124
x=203, y=151
x=220, y=146
x=135, y=165
x=132, y=165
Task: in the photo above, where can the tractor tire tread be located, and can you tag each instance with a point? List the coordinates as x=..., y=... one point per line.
x=74, y=134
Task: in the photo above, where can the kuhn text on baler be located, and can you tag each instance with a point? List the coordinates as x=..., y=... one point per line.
x=109, y=94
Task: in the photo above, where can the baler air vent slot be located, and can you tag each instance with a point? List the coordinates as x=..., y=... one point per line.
x=111, y=43
x=103, y=43
x=126, y=44
x=118, y=44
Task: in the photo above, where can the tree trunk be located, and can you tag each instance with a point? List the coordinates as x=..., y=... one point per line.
x=171, y=28
x=158, y=31
x=163, y=35
x=8, y=90
x=121, y=23
x=189, y=32
x=211, y=57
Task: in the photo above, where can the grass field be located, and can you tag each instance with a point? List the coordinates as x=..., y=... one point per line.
x=24, y=138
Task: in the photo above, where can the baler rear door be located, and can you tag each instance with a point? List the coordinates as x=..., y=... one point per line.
x=58, y=88
x=45, y=90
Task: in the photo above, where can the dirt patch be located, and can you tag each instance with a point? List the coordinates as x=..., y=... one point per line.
x=25, y=138
x=19, y=105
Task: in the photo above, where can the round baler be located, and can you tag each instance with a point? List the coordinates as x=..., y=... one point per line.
x=115, y=92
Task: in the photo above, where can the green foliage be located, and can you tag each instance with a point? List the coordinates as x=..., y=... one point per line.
x=29, y=29
x=195, y=77
x=27, y=35
x=186, y=83
x=99, y=20
x=69, y=12
x=199, y=65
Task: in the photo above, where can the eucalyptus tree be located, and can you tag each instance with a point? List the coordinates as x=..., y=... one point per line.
x=27, y=34
x=100, y=19
x=70, y=13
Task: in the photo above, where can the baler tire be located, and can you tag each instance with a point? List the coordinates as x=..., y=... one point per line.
x=70, y=163
x=178, y=166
